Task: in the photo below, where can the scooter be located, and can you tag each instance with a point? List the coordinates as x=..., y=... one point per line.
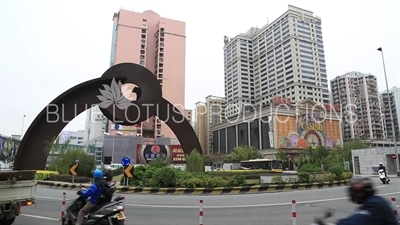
x=110, y=213
x=322, y=221
x=382, y=176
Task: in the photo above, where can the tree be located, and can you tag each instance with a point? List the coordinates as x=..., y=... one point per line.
x=281, y=155
x=63, y=162
x=339, y=155
x=195, y=162
x=316, y=155
x=334, y=157
x=351, y=145
x=54, y=146
x=241, y=153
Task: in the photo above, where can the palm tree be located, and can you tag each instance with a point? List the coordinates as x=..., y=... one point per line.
x=281, y=155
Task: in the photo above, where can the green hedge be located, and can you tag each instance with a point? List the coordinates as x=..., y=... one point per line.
x=305, y=177
x=44, y=174
x=243, y=172
x=310, y=168
x=68, y=178
x=248, y=174
x=165, y=176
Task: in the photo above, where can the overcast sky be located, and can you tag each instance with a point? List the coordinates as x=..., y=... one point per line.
x=43, y=43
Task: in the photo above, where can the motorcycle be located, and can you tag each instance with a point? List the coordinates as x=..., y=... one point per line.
x=382, y=176
x=110, y=213
x=322, y=221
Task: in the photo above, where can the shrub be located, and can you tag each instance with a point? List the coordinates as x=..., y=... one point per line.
x=244, y=172
x=217, y=182
x=328, y=177
x=337, y=170
x=237, y=180
x=310, y=168
x=304, y=177
x=118, y=171
x=164, y=177
x=277, y=180
x=181, y=177
x=291, y=180
x=159, y=163
x=347, y=175
x=139, y=176
x=193, y=182
x=68, y=178
x=44, y=174
x=317, y=178
x=248, y=174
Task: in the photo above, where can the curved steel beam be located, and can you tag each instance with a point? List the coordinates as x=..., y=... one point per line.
x=181, y=127
x=54, y=117
x=51, y=120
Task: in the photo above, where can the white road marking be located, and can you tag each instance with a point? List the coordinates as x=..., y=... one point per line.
x=247, y=206
x=52, y=198
x=40, y=217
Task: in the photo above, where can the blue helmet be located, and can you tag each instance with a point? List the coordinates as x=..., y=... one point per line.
x=97, y=174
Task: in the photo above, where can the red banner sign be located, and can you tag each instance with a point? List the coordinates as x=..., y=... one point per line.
x=332, y=107
x=277, y=100
x=177, y=154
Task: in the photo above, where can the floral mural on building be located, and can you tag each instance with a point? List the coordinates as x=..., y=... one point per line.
x=308, y=129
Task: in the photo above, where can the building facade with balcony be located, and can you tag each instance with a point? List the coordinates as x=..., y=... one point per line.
x=394, y=95
x=284, y=58
x=157, y=43
x=358, y=97
x=208, y=113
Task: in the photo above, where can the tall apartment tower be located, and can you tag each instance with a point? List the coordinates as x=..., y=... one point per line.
x=358, y=97
x=394, y=95
x=284, y=58
x=158, y=44
x=208, y=113
x=200, y=124
x=188, y=115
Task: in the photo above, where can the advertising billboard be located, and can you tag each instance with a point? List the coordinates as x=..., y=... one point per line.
x=147, y=153
x=177, y=154
x=115, y=126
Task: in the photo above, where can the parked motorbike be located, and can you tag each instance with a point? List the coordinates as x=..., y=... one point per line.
x=382, y=176
x=110, y=213
x=322, y=220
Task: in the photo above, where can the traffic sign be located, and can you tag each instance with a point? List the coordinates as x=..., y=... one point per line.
x=129, y=171
x=125, y=161
x=72, y=170
x=394, y=156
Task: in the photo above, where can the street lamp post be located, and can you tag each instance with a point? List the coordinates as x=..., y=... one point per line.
x=391, y=114
x=22, y=129
x=113, y=151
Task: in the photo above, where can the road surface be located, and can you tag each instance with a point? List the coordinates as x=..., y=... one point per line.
x=251, y=209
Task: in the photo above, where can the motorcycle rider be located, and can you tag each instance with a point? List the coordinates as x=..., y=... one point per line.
x=94, y=192
x=382, y=167
x=374, y=210
x=108, y=175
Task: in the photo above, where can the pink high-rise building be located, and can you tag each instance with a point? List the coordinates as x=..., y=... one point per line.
x=159, y=45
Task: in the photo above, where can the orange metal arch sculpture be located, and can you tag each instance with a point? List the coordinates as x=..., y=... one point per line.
x=54, y=117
